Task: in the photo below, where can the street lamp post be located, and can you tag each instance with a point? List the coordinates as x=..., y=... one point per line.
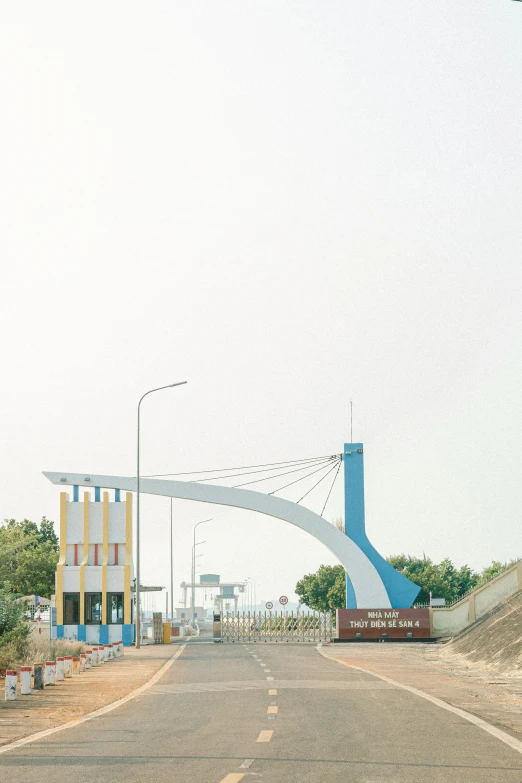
x=138, y=616
x=194, y=567
x=171, y=569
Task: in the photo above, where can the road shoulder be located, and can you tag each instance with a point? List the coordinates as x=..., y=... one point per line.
x=82, y=694
x=495, y=699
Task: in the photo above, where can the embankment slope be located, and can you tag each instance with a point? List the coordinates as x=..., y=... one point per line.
x=494, y=641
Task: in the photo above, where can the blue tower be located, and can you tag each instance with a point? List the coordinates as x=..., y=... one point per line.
x=401, y=591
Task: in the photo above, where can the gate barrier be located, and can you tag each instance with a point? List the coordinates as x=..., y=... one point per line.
x=276, y=626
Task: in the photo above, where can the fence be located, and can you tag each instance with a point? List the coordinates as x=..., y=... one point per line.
x=276, y=627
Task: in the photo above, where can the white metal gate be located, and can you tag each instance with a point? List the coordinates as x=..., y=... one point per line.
x=276, y=627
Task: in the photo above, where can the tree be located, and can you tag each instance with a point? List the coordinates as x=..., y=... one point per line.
x=325, y=590
x=46, y=533
x=496, y=568
x=14, y=630
x=28, y=556
x=442, y=580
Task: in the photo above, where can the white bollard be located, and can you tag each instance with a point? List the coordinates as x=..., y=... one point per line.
x=83, y=662
x=10, y=685
x=116, y=649
x=50, y=670
x=121, y=648
x=25, y=680
x=76, y=665
x=105, y=652
x=110, y=651
x=88, y=659
x=67, y=666
x=59, y=670
x=101, y=656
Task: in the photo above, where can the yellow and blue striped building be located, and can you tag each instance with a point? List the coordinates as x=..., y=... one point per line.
x=95, y=571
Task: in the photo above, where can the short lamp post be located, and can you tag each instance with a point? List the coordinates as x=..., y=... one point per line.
x=138, y=585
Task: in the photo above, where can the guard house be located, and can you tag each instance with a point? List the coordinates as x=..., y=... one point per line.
x=94, y=572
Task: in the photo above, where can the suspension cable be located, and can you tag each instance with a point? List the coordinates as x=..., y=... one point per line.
x=267, y=478
x=318, y=482
x=299, y=479
x=265, y=470
x=332, y=486
x=242, y=467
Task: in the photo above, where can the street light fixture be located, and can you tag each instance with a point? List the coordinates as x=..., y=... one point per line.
x=194, y=568
x=138, y=585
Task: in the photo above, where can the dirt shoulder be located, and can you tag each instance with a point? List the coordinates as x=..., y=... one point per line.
x=81, y=694
x=494, y=698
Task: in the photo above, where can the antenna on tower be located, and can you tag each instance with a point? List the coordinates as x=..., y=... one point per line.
x=351, y=421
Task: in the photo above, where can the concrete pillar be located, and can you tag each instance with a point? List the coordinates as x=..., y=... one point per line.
x=59, y=670
x=50, y=672
x=26, y=673
x=75, y=665
x=83, y=662
x=38, y=669
x=67, y=666
x=10, y=685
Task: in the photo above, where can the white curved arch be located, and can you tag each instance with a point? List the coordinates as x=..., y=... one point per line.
x=370, y=591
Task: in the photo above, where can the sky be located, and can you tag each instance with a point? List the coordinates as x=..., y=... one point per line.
x=290, y=206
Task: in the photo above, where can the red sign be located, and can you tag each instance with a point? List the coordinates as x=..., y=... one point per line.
x=283, y=600
x=383, y=623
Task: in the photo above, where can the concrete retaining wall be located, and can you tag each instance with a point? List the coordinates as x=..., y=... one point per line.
x=450, y=620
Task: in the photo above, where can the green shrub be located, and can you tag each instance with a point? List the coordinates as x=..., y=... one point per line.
x=14, y=630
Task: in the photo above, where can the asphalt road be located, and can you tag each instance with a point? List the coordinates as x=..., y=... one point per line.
x=216, y=715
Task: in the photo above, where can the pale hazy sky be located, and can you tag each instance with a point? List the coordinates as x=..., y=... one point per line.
x=288, y=204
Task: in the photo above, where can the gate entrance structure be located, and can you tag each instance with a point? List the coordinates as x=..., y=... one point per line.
x=371, y=582
x=276, y=627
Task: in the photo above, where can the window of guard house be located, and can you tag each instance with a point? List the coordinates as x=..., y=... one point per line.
x=71, y=608
x=93, y=608
x=115, y=607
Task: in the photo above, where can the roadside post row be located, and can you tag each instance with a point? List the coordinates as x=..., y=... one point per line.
x=52, y=672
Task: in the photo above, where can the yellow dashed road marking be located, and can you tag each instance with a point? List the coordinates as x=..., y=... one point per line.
x=234, y=777
x=272, y=692
x=269, y=678
x=272, y=710
x=264, y=736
